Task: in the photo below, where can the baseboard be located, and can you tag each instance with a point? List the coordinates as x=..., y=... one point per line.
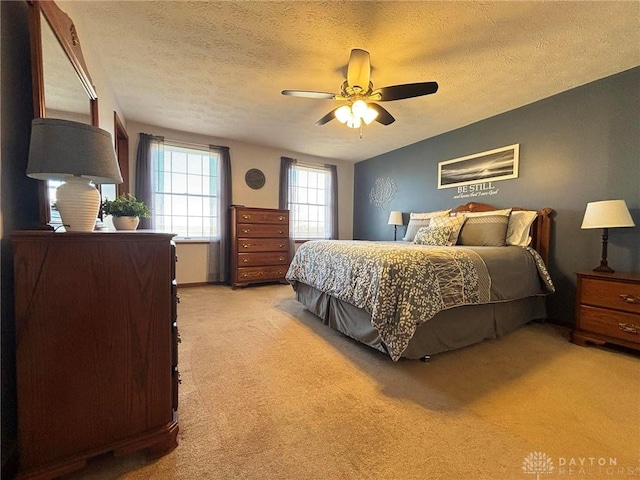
x=196, y=284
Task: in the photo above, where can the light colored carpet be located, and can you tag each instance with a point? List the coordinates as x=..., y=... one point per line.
x=269, y=392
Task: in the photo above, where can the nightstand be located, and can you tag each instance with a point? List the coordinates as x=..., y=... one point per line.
x=607, y=309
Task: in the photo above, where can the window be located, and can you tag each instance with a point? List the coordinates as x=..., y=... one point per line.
x=310, y=201
x=186, y=186
x=54, y=215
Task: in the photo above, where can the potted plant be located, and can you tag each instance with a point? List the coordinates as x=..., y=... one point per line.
x=126, y=211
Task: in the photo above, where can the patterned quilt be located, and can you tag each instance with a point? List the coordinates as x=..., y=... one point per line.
x=400, y=284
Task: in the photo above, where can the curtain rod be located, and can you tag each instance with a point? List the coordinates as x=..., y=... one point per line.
x=186, y=144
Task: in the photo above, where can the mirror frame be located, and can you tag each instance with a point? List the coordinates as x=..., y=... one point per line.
x=65, y=32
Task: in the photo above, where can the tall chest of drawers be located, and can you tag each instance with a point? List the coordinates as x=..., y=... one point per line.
x=96, y=352
x=607, y=309
x=260, y=245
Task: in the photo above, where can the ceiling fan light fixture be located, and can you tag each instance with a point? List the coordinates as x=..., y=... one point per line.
x=354, y=122
x=343, y=114
x=359, y=108
x=369, y=115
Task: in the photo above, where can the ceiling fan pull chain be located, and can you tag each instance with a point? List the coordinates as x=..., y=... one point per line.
x=361, y=127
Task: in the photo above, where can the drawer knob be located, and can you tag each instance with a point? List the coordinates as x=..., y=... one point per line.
x=245, y=260
x=281, y=218
x=246, y=230
x=280, y=245
x=281, y=259
x=245, y=245
x=280, y=232
x=629, y=328
x=246, y=217
x=634, y=299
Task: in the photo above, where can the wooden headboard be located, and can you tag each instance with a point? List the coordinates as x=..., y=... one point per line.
x=540, y=229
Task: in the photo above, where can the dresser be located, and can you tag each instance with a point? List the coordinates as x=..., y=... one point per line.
x=96, y=347
x=260, y=245
x=607, y=309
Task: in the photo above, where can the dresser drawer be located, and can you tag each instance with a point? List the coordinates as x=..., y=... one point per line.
x=262, y=230
x=252, y=274
x=621, y=325
x=266, y=245
x=260, y=258
x=611, y=294
x=247, y=215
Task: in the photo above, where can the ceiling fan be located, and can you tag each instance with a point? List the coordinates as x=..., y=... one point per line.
x=357, y=90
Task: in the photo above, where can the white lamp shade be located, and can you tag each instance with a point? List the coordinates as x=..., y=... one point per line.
x=395, y=218
x=607, y=214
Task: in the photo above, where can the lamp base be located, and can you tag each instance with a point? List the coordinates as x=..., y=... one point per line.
x=604, y=269
x=78, y=202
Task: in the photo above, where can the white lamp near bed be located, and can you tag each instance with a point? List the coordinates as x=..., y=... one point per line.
x=605, y=215
x=395, y=219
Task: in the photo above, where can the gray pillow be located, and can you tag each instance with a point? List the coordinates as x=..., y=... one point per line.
x=488, y=230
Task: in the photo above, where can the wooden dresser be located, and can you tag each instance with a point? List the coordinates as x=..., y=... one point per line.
x=96, y=353
x=607, y=309
x=260, y=245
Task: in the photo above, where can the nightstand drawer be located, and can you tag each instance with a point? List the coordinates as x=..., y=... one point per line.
x=611, y=294
x=621, y=325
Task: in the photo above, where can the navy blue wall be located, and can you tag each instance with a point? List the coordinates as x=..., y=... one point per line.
x=575, y=147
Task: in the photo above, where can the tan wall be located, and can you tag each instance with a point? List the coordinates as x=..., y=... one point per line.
x=193, y=258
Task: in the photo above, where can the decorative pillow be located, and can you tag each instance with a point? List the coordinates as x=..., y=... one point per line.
x=419, y=220
x=454, y=222
x=519, y=226
x=505, y=211
x=436, y=236
x=484, y=230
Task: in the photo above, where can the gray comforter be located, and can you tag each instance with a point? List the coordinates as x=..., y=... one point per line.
x=403, y=285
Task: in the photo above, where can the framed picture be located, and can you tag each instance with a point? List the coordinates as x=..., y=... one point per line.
x=498, y=164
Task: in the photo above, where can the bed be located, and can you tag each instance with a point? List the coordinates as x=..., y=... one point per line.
x=434, y=291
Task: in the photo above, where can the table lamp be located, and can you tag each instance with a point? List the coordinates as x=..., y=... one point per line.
x=77, y=154
x=606, y=214
x=395, y=219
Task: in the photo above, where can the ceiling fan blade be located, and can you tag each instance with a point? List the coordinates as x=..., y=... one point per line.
x=384, y=117
x=359, y=69
x=308, y=94
x=408, y=90
x=327, y=118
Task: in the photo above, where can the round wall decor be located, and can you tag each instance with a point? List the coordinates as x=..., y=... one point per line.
x=254, y=178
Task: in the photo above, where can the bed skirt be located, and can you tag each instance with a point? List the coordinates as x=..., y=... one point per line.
x=448, y=330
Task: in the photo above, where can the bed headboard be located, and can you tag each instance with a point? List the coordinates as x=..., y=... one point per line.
x=540, y=229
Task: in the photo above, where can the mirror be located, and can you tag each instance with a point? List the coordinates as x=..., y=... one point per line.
x=65, y=97
x=62, y=87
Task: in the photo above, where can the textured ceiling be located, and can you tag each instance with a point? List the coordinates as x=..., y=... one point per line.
x=217, y=68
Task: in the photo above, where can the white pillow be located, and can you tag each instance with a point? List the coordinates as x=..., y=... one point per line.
x=519, y=225
x=506, y=211
x=429, y=215
x=419, y=220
